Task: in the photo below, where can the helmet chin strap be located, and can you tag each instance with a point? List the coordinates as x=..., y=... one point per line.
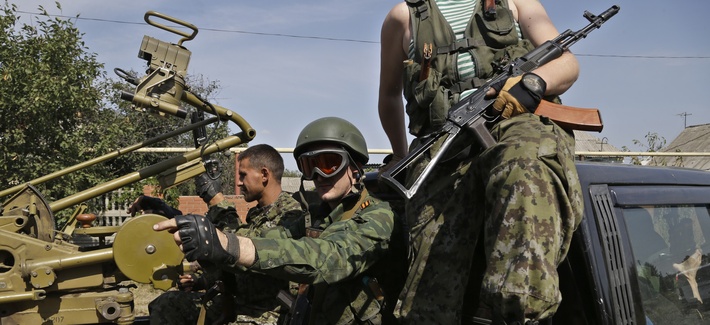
x=358, y=175
x=359, y=178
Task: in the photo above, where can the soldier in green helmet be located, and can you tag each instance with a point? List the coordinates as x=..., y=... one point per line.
x=346, y=253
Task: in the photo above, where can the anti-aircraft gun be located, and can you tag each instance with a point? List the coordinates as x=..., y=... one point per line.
x=47, y=278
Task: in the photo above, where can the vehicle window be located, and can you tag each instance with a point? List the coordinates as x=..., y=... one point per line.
x=672, y=255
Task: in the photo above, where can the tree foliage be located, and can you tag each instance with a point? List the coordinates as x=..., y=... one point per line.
x=292, y=173
x=48, y=94
x=654, y=143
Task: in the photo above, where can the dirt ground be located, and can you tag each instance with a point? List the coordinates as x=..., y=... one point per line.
x=142, y=296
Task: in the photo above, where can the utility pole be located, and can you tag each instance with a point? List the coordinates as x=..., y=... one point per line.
x=685, y=118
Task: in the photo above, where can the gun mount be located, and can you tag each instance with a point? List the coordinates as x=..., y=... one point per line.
x=44, y=276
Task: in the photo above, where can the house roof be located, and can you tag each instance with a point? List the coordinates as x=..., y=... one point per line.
x=293, y=184
x=587, y=141
x=694, y=138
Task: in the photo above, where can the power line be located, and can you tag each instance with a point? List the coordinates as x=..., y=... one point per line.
x=642, y=56
x=337, y=39
x=210, y=29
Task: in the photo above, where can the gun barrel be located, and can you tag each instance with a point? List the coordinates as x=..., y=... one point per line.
x=107, y=157
x=69, y=261
x=152, y=170
x=160, y=105
x=33, y=295
x=594, y=23
x=607, y=14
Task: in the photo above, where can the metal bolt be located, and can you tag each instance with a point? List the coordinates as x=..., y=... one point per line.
x=150, y=249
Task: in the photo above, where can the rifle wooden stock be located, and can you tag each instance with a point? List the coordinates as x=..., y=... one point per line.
x=571, y=118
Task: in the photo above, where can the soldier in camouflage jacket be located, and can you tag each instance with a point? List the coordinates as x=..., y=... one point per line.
x=343, y=253
x=249, y=298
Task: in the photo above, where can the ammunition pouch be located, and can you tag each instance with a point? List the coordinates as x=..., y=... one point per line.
x=427, y=100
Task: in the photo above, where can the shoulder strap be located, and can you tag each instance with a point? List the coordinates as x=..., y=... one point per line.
x=362, y=203
x=421, y=8
x=304, y=205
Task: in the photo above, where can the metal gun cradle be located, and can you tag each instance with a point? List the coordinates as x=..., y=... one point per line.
x=47, y=278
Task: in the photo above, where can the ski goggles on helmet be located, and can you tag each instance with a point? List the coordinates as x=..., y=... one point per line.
x=325, y=162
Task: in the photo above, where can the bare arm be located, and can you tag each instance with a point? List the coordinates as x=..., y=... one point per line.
x=536, y=26
x=394, y=34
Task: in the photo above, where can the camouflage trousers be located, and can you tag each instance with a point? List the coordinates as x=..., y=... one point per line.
x=179, y=307
x=522, y=198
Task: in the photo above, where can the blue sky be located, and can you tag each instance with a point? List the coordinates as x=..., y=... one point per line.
x=642, y=69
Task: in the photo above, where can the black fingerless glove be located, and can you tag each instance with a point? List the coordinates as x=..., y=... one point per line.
x=207, y=187
x=200, y=241
x=158, y=205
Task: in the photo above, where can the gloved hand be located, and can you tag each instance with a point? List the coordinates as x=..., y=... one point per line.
x=154, y=205
x=200, y=241
x=389, y=162
x=518, y=95
x=193, y=282
x=207, y=187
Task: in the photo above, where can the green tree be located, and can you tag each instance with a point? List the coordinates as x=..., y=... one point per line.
x=654, y=143
x=292, y=173
x=48, y=92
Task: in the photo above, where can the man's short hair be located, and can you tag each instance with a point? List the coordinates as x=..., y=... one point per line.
x=264, y=155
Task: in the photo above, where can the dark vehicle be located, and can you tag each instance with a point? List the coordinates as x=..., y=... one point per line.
x=640, y=255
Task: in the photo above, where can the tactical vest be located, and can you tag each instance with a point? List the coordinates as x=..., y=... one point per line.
x=492, y=41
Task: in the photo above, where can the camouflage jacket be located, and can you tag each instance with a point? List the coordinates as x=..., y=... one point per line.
x=337, y=262
x=282, y=219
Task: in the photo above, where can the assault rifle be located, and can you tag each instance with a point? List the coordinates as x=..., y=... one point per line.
x=470, y=113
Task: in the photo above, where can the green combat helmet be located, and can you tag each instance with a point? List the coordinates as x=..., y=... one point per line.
x=333, y=129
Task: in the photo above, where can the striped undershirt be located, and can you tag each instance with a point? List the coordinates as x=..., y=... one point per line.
x=457, y=14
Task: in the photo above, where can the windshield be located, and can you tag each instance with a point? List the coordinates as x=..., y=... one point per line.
x=672, y=255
